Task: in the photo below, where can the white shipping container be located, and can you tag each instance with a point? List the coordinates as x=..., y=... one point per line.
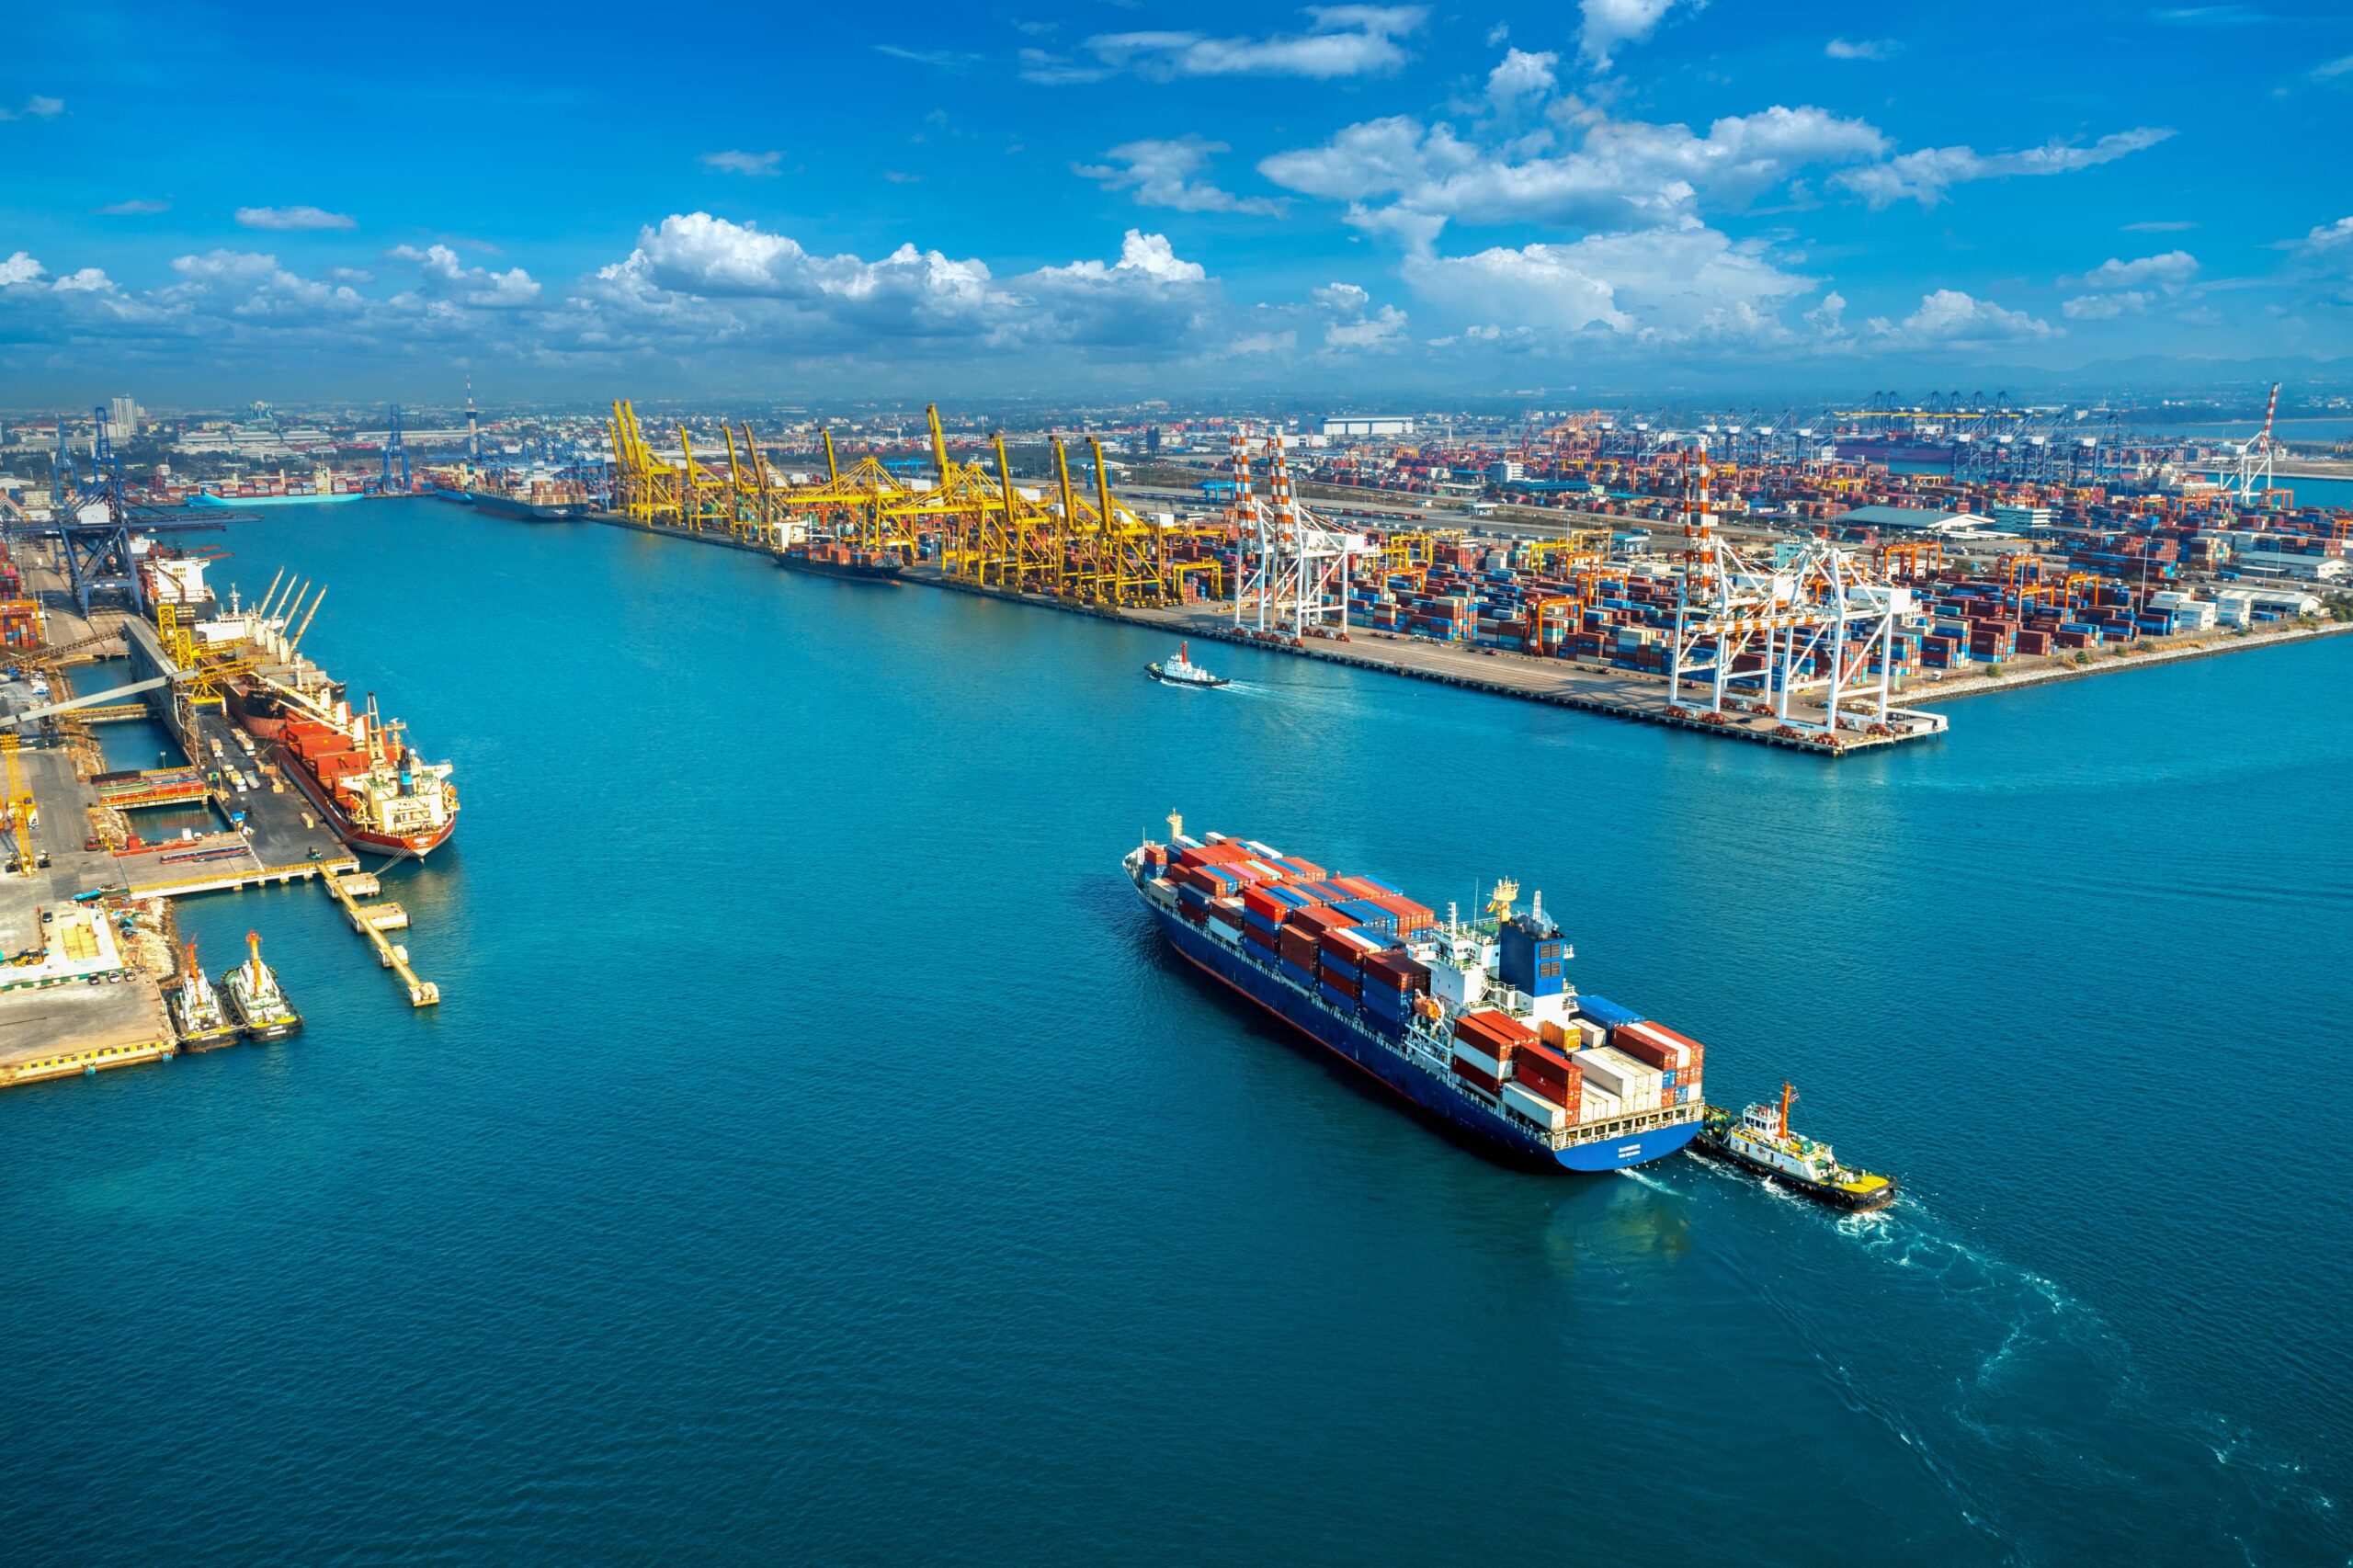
x=1613, y=1071
x=1534, y=1106
x=1224, y=933
x=1590, y=1035
x=1479, y=1059
x=1598, y=1105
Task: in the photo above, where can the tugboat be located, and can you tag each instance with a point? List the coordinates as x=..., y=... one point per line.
x=255, y=1001
x=1182, y=671
x=198, y=1017
x=1761, y=1141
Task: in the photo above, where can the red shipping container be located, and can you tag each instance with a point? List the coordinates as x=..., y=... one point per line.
x=1297, y=945
x=1545, y=1071
x=1323, y=918
x=1499, y=1027
x=1265, y=905
x=1411, y=916
x=1397, y=971
x=1658, y=1046
x=1341, y=984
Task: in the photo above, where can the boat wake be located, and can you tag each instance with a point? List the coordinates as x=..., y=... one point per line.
x=2029, y=1410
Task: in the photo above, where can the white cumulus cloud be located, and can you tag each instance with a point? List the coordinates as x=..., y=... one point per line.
x=1608, y=25
x=1949, y=318
x=293, y=218
x=758, y=166
x=1862, y=49
x=2171, y=272
x=1658, y=286
x=1521, y=79
x=1162, y=172
x=446, y=278
x=1340, y=41
x=1622, y=174
x=1927, y=175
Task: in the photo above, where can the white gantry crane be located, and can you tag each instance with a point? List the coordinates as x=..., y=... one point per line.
x=1292, y=566
x=1797, y=638
x=2251, y=472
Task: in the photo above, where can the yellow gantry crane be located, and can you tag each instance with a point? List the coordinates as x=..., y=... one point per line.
x=1071, y=540
x=19, y=804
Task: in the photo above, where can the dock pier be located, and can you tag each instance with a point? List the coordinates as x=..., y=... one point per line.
x=372, y=922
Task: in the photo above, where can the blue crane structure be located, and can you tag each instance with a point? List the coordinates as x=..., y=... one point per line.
x=394, y=479
x=94, y=522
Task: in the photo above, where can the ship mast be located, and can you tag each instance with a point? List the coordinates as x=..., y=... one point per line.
x=257, y=983
x=1788, y=1095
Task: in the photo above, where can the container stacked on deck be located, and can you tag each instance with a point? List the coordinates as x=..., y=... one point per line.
x=1557, y=1058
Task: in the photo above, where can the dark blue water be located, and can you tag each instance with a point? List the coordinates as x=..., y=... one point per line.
x=817, y=1157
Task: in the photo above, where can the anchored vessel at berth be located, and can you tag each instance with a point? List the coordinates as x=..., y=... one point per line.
x=1473, y=1021
x=369, y=783
x=199, y=1017
x=1761, y=1141
x=254, y=1000
x=1181, y=670
x=829, y=557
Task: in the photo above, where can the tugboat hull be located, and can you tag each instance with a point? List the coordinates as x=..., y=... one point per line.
x=1862, y=1202
x=1164, y=678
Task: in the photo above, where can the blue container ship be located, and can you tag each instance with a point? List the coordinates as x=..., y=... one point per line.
x=1474, y=1021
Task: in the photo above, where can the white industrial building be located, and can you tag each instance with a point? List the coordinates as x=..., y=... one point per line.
x=1369, y=424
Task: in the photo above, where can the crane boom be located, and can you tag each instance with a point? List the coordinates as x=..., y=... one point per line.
x=297, y=641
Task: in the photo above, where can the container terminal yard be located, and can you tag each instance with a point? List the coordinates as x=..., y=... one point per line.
x=1806, y=601
x=95, y=975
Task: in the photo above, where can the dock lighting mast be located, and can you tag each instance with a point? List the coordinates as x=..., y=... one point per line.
x=394, y=478
x=474, y=426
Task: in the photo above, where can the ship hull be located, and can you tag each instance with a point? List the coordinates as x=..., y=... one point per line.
x=1164, y=678
x=1714, y=1149
x=499, y=505
x=194, y=1037
x=358, y=837
x=262, y=1033
x=1365, y=1050
x=848, y=572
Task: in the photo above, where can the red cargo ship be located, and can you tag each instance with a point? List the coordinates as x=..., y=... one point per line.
x=372, y=788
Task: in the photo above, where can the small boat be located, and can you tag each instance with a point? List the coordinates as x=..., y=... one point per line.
x=1761, y=1141
x=1182, y=671
x=256, y=1003
x=198, y=1017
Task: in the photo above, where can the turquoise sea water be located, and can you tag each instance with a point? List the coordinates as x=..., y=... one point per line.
x=817, y=1157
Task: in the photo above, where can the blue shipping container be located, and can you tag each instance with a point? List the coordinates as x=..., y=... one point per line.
x=1605, y=1012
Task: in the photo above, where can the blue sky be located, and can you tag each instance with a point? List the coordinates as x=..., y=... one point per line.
x=1091, y=197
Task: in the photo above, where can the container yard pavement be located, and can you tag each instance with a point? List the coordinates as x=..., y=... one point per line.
x=2198, y=645
x=1619, y=693
x=51, y=1030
